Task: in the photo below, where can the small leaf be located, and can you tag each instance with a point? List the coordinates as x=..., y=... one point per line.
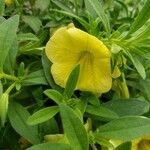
x=18, y=116
x=82, y=21
x=71, y=82
x=124, y=146
x=10, y=62
x=74, y=129
x=42, y=5
x=2, y=7
x=51, y=146
x=97, y=7
x=43, y=115
x=34, y=22
x=128, y=107
x=101, y=112
x=54, y=95
x=35, y=78
x=3, y=107
x=62, y=6
x=1, y=88
x=46, y=66
x=125, y=128
x=138, y=65
x=9, y=26
x=142, y=17
x=27, y=37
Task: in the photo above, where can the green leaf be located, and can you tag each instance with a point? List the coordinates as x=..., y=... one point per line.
x=62, y=6
x=98, y=8
x=82, y=21
x=48, y=127
x=71, y=82
x=9, y=26
x=35, y=78
x=18, y=116
x=10, y=138
x=2, y=7
x=124, y=146
x=50, y=146
x=142, y=17
x=10, y=62
x=141, y=34
x=138, y=65
x=128, y=107
x=27, y=37
x=125, y=128
x=34, y=22
x=2, y=19
x=1, y=88
x=54, y=95
x=43, y=115
x=3, y=107
x=46, y=66
x=73, y=128
x=91, y=98
x=42, y=5
x=101, y=112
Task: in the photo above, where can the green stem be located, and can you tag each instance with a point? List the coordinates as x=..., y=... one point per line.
x=125, y=90
x=10, y=88
x=9, y=77
x=93, y=147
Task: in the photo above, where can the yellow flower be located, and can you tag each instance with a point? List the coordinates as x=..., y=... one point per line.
x=9, y=2
x=141, y=144
x=70, y=46
x=137, y=144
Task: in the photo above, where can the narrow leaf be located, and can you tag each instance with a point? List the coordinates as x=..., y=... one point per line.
x=2, y=7
x=138, y=65
x=125, y=128
x=27, y=37
x=42, y=115
x=18, y=116
x=101, y=112
x=124, y=146
x=128, y=107
x=46, y=67
x=74, y=129
x=142, y=17
x=97, y=7
x=3, y=107
x=71, y=82
x=34, y=22
x=35, y=78
x=54, y=95
x=9, y=26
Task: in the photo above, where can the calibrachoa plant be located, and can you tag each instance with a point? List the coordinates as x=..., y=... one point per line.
x=74, y=74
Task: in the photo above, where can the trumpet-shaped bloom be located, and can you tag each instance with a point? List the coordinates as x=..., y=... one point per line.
x=70, y=46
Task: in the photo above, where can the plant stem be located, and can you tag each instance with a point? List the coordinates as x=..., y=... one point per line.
x=9, y=77
x=10, y=88
x=93, y=147
x=125, y=90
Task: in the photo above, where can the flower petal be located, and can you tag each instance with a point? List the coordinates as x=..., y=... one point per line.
x=96, y=77
x=61, y=72
x=67, y=43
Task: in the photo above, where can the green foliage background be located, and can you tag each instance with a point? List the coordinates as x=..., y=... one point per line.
x=34, y=110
